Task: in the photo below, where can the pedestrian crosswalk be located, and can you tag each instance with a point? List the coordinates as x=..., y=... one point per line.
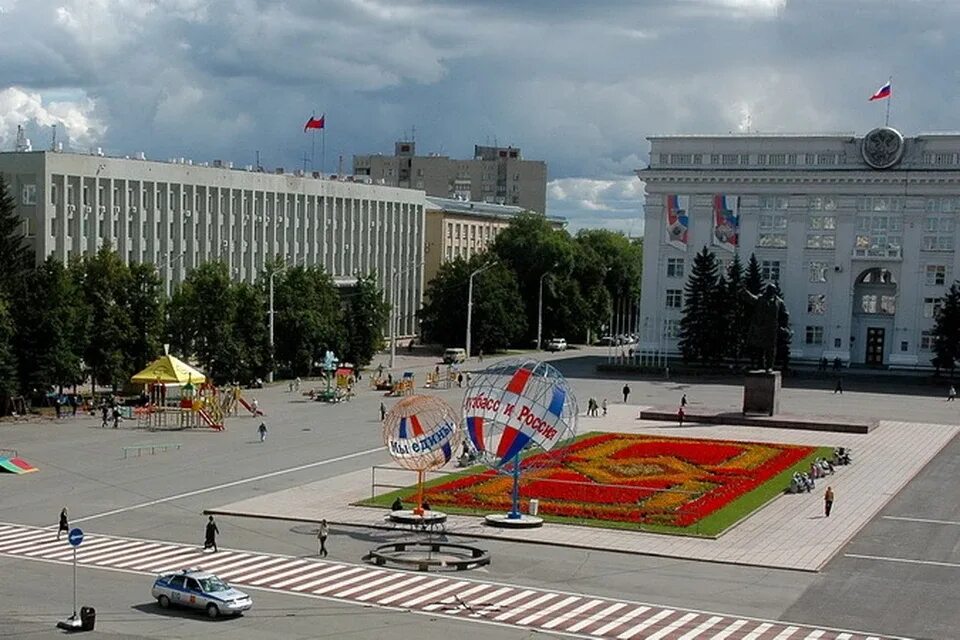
x=449, y=595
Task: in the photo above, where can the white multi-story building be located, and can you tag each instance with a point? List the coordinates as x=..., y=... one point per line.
x=178, y=215
x=860, y=232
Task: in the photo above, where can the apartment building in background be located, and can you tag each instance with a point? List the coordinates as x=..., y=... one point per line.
x=495, y=175
x=178, y=215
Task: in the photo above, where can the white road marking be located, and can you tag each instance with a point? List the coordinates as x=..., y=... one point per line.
x=816, y=633
x=390, y=587
x=285, y=570
x=333, y=576
x=533, y=604
x=701, y=628
x=353, y=580
x=573, y=613
x=235, y=483
x=366, y=585
x=931, y=563
x=730, y=630
x=652, y=620
x=786, y=633
x=673, y=626
x=556, y=606
x=117, y=547
x=625, y=618
x=597, y=617
x=954, y=523
x=759, y=631
x=433, y=594
x=93, y=545
x=416, y=589
x=308, y=575
x=457, y=599
x=259, y=569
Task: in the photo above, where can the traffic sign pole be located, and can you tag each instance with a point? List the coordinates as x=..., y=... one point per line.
x=75, y=537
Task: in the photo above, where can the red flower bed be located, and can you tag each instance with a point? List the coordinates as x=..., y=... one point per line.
x=630, y=478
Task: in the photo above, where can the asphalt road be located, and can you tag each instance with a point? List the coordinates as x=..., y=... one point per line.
x=162, y=497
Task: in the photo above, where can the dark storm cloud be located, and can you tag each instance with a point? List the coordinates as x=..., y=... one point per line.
x=579, y=84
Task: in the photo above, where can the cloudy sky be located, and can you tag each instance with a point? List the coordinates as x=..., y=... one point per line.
x=579, y=84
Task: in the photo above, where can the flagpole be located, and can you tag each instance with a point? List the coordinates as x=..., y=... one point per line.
x=323, y=147
x=886, y=121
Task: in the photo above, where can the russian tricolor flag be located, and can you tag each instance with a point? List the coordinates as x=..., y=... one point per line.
x=883, y=92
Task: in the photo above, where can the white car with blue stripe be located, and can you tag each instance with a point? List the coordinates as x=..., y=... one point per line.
x=200, y=589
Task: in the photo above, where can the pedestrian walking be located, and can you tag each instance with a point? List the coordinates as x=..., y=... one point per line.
x=839, y=388
x=104, y=414
x=383, y=412
x=680, y=414
x=210, y=536
x=683, y=400
x=116, y=416
x=262, y=430
x=951, y=394
x=255, y=404
x=58, y=406
x=64, y=523
x=296, y=384
x=480, y=355
x=603, y=403
x=322, y=534
x=460, y=380
x=828, y=502
x=626, y=393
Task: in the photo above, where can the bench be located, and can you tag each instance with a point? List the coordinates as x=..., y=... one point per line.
x=140, y=448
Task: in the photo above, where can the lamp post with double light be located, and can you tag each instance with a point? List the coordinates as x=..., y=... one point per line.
x=489, y=265
x=540, y=307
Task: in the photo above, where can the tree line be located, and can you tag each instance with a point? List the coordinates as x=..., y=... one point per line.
x=718, y=311
x=585, y=277
x=100, y=320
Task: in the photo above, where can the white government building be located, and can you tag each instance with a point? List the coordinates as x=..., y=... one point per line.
x=178, y=215
x=860, y=232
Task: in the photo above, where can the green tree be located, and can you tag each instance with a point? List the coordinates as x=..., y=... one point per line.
x=609, y=269
x=51, y=326
x=144, y=300
x=754, y=278
x=15, y=254
x=365, y=317
x=946, y=332
x=8, y=359
x=736, y=310
x=308, y=319
x=499, y=314
x=202, y=311
x=251, y=334
x=781, y=357
x=701, y=311
x=103, y=281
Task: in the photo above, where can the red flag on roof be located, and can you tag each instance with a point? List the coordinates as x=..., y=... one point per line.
x=315, y=123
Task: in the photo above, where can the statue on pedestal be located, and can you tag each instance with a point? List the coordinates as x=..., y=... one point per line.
x=765, y=326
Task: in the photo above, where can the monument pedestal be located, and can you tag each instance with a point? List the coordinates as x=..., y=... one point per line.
x=761, y=393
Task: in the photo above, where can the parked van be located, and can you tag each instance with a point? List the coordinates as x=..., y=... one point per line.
x=454, y=356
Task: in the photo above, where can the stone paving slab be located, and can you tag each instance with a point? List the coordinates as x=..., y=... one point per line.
x=789, y=533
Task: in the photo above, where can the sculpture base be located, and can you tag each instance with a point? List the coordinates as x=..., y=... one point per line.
x=504, y=521
x=761, y=393
x=425, y=519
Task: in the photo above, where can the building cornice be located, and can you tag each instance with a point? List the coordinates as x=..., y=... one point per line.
x=653, y=176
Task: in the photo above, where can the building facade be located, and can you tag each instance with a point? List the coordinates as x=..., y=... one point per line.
x=178, y=215
x=860, y=232
x=461, y=229
x=495, y=175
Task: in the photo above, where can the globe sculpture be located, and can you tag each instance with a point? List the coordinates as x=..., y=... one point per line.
x=421, y=433
x=517, y=407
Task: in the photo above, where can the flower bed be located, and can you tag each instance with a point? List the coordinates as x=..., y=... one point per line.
x=683, y=485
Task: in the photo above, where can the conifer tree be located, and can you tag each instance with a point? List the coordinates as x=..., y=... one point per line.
x=754, y=279
x=699, y=337
x=946, y=331
x=735, y=309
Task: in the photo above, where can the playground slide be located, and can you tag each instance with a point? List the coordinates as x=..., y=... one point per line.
x=16, y=465
x=246, y=405
x=209, y=421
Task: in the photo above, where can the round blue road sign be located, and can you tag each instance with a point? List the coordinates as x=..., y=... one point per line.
x=75, y=537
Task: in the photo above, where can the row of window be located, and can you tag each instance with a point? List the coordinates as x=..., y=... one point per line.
x=935, y=275
x=785, y=159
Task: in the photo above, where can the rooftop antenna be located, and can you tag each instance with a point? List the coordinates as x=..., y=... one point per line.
x=259, y=168
x=53, y=143
x=413, y=133
x=23, y=143
x=340, y=166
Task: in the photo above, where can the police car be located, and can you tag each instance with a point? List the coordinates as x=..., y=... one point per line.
x=200, y=589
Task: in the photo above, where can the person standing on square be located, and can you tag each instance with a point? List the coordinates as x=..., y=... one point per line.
x=626, y=393
x=828, y=502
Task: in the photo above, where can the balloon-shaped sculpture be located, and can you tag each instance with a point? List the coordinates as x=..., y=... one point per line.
x=515, y=407
x=422, y=434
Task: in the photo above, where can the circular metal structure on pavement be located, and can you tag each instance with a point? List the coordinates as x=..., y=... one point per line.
x=504, y=521
x=429, y=556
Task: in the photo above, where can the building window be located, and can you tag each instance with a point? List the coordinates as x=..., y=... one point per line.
x=821, y=232
x=837, y=343
x=818, y=271
x=778, y=159
x=881, y=203
x=817, y=304
x=674, y=267
x=931, y=307
x=941, y=205
x=671, y=329
x=772, y=203
x=28, y=195
x=879, y=235
x=772, y=230
x=770, y=270
x=904, y=345
x=729, y=158
x=674, y=298
x=938, y=233
x=926, y=340
x=822, y=203
x=936, y=275
x=814, y=335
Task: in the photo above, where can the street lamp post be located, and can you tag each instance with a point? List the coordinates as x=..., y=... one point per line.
x=394, y=286
x=540, y=309
x=470, y=301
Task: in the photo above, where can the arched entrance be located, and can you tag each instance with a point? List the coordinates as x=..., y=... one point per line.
x=874, y=308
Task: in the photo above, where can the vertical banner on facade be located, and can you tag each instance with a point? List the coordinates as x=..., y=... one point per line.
x=726, y=221
x=678, y=220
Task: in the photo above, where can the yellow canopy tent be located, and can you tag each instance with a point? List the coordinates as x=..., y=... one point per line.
x=169, y=370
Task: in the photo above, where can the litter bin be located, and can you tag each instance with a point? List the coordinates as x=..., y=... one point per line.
x=88, y=618
x=534, y=506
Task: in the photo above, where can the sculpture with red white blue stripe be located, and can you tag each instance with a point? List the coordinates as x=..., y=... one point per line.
x=515, y=407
